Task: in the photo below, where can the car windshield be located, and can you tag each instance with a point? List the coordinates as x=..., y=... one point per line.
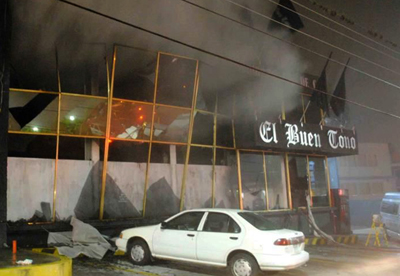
x=258, y=221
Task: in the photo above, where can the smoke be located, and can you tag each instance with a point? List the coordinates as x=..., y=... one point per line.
x=84, y=39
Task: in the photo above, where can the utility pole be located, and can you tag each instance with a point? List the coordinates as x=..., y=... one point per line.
x=5, y=28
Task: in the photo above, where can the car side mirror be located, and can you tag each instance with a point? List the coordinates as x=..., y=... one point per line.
x=163, y=225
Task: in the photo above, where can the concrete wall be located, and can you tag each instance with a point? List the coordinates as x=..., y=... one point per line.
x=31, y=181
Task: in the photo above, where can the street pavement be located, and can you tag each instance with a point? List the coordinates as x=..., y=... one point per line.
x=324, y=260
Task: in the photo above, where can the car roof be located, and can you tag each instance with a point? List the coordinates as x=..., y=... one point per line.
x=223, y=210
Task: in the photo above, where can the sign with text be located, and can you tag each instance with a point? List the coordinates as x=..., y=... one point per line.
x=289, y=136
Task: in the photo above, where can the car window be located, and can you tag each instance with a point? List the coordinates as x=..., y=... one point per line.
x=258, y=221
x=187, y=221
x=390, y=207
x=220, y=223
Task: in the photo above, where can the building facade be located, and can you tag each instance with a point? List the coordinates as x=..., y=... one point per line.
x=149, y=134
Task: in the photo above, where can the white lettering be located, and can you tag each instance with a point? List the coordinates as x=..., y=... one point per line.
x=267, y=133
x=310, y=138
x=343, y=142
x=332, y=139
x=292, y=136
x=353, y=142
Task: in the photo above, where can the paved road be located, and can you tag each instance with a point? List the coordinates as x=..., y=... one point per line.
x=326, y=261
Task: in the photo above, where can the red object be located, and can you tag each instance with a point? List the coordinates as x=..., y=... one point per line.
x=282, y=242
x=14, y=247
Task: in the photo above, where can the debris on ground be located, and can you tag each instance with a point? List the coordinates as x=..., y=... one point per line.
x=25, y=262
x=84, y=239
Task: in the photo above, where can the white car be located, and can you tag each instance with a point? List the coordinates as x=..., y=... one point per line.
x=245, y=241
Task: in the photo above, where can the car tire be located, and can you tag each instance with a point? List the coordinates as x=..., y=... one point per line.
x=243, y=264
x=139, y=252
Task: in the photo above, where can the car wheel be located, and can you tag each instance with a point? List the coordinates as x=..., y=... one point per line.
x=139, y=252
x=242, y=264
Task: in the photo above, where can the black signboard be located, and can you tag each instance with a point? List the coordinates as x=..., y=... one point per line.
x=309, y=138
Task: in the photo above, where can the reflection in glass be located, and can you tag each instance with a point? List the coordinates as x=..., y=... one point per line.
x=319, y=184
x=83, y=116
x=165, y=181
x=276, y=179
x=224, y=132
x=226, y=180
x=135, y=72
x=199, y=178
x=30, y=180
x=176, y=77
x=171, y=124
x=298, y=180
x=253, y=181
x=33, y=112
x=203, y=129
x=131, y=120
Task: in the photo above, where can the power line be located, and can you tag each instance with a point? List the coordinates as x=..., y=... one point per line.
x=347, y=28
x=336, y=31
x=293, y=44
x=225, y=58
x=313, y=37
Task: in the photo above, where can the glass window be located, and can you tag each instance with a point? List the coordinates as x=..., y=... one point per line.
x=79, y=177
x=73, y=148
x=209, y=81
x=171, y=124
x=198, y=189
x=258, y=221
x=165, y=181
x=224, y=132
x=226, y=180
x=253, y=181
x=276, y=181
x=32, y=146
x=319, y=184
x=33, y=112
x=188, y=221
x=176, y=79
x=131, y=120
x=83, y=68
x=220, y=223
x=126, y=170
x=83, y=116
x=135, y=71
x=30, y=180
x=203, y=129
x=298, y=180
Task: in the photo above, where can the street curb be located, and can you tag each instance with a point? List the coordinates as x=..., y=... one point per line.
x=54, y=251
x=60, y=267
x=344, y=239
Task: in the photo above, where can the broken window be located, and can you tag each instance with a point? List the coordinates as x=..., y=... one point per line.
x=253, y=181
x=135, y=71
x=131, y=120
x=276, y=181
x=176, y=80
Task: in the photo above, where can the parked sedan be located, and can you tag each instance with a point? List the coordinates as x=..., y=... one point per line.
x=245, y=241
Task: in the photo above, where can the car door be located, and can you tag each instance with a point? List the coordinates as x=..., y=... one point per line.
x=178, y=238
x=219, y=236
